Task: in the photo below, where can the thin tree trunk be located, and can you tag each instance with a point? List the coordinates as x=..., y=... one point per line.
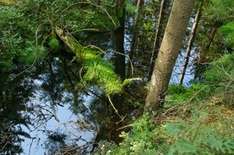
x=119, y=60
x=211, y=37
x=159, y=30
x=202, y=59
x=190, y=42
x=169, y=50
x=135, y=34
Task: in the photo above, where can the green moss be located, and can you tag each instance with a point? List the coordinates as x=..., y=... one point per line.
x=101, y=72
x=96, y=70
x=53, y=43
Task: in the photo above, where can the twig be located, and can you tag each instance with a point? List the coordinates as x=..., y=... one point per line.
x=132, y=68
x=113, y=106
x=88, y=3
x=123, y=127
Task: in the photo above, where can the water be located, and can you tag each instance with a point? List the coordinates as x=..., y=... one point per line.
x=189, y=75
x=65, y=123
x=61, y=120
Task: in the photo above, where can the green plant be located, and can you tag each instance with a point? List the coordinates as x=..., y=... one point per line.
x=196, y=120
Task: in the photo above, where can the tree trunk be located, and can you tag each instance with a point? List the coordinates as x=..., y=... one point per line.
x=119, y=60
x=190, y=42
x=211, y=36
x=162, y=18
x=135, y=33
x=169, y=50
x=202, y=61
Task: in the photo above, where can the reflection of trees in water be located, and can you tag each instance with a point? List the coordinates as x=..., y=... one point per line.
x=56, y=145
x=55, y=142
x=18, y=107
x=55, y=81
x=14, y=93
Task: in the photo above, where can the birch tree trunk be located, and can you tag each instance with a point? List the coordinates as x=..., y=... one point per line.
x=169, y=50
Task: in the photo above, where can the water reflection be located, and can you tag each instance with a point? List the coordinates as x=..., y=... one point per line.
x=190, y=70
x=53, y=117
x=37, y=106
x=65, y=124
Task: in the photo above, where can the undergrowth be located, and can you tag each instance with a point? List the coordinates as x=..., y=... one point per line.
x=196, y=120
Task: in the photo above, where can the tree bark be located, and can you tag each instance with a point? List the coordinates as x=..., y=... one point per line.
x=119, y=61
x=169, y=50
x=190, y=42
x=159, y=32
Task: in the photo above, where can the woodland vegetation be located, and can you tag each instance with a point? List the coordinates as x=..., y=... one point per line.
x=114, y=64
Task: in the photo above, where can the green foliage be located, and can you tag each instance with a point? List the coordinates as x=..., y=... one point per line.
x=203, y=132
x=199, y=127
x=200, y=123
x=218, y=80
x=32, y=54
x=34, y=21
x=130, y=7
x=97, y=71
x=220, y=11
x=137, y=142
x=54, y=43
x=228, y=32
x=17, y=38
x=6, y=58
x=206, y=131
x=178, y=94
x=100, y=72
x=221, y=70
x=215, y=29
x=182, y=147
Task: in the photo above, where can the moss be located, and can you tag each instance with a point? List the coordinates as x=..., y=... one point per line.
x=101, y=72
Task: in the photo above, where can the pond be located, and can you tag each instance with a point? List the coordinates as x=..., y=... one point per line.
x=59, y=116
